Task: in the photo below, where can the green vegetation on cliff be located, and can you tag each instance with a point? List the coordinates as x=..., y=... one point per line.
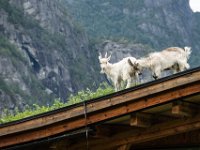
x=81, y=96
x=9, y=50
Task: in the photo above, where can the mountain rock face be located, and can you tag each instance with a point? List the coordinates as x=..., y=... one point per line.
x=156, y=23
x=43, y=54
x=49, y=49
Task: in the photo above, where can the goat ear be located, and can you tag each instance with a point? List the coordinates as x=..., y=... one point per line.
x=130, y=63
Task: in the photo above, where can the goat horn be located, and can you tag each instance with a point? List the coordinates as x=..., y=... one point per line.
x=110, y=54
x=100, y=56
x=106, y=55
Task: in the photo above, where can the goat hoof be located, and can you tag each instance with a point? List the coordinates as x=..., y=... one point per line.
x=155, y=77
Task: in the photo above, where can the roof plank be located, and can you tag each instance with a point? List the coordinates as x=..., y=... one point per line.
x=102, y=109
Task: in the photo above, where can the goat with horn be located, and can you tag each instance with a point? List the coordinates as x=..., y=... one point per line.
x=172, y=58
x=119, y=72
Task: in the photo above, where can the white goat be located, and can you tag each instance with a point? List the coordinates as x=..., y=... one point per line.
x=118, y=72
x=173, y=58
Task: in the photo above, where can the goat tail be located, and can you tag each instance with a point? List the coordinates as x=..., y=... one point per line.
x=187, y=51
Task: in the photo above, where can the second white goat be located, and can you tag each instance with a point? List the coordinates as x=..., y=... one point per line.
x=173, y=58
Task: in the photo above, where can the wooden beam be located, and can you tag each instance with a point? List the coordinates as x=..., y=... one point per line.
x=150, y=134
x=101, y=115
x=120, y=97
x=59, y=145
x=183, y=109
x=145, y=103
x=124, y=147
x=102, y=131
x=187, y=139
x=140, y=120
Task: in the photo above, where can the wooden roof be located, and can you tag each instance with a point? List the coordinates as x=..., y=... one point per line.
x=135, y=117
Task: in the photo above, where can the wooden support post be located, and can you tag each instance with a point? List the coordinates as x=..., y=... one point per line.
x=124, y=147
x=183, y=110
x=140, y=120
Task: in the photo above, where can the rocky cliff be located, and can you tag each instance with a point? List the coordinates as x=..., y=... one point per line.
x=49, y=49
x=156, y=23
x=44, y=54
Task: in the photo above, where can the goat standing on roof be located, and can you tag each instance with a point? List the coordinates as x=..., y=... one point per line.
x=119, y=72
x=173, y=58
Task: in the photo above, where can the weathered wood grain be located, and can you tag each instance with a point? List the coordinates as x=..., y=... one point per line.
x=101, y=110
